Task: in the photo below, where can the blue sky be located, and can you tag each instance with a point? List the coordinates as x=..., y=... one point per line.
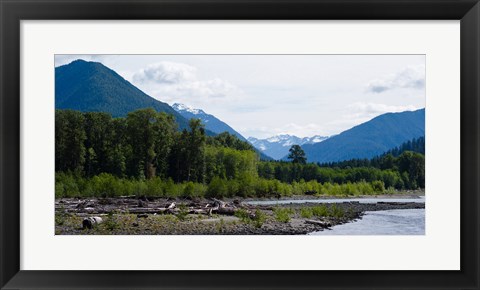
x=266, y=95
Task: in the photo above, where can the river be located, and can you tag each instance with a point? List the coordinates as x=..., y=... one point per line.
x=420, y=199
x=386, y=222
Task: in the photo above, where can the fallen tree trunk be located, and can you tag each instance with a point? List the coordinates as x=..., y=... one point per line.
x=90, y=222
x=319, y=223
x=225, y=210
x=198, y=211
x=146, y=210
x=132, y=206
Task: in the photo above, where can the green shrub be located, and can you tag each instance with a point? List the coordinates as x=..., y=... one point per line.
x=259, y=219
x=217, y=188
x=306, y=212
x=61, y=216
x=66, y=185
x=243, y=215
x=246, y=185
x=111, y=222
x=233, y=188
x=336, y=211
x=320, y=210
x=154, y=187
x=189, y=189
x=378, y=186
x=171, y=189
x=390, y=190
x=283, y=214
x=183, y=212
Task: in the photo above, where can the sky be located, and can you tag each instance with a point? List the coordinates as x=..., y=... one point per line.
x=265, y=95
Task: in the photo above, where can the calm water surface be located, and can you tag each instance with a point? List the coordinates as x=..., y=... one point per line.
x=386, y=222
x=335, y=200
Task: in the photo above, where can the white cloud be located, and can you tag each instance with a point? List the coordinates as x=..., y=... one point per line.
x=411, y=77
x=166, y=72
x=215, y=88
x=178, y=82
x=365, y=111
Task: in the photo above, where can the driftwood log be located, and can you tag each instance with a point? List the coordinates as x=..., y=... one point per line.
x=100, y=207
x=90, y=222
x=324, y=224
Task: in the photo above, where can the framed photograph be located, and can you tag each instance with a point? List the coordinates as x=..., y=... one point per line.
x=237, y=144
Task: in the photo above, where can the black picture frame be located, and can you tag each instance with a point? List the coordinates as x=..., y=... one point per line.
x=13, y=11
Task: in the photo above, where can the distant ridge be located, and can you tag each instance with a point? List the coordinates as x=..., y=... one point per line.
x=369, y=139
x=211, y=122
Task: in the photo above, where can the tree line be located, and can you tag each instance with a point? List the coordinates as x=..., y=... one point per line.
x=383, y=161
x=94, y=151
x=406, y=171
x=146, y=144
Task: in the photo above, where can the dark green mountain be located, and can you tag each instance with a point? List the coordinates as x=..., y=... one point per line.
x=369, y=139
x=93, y=87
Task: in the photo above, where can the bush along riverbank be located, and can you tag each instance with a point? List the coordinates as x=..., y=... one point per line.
x=201, y=216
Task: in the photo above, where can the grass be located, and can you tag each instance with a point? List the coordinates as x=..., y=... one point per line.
x=61, y=216
x=221, y=226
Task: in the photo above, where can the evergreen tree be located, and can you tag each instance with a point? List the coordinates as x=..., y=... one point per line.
x=69, y=141
x=297, y=155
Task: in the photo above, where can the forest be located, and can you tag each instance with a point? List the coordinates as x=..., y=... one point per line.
x=144, y=154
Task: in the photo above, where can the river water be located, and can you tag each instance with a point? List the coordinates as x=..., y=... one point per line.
x=386, y=222
x=335, y=200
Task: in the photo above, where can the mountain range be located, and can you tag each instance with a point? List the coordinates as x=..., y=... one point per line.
x=277, y=146
x=93, y=87
x=369, y=139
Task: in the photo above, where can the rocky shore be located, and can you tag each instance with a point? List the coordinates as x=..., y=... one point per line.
x=132, y=216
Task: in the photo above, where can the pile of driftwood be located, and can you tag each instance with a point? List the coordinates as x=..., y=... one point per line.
x=93, y=209
x=144, y=207
x=215, y=207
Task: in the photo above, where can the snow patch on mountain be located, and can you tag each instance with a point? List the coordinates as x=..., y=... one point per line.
x=211, y=122
x=184, y=108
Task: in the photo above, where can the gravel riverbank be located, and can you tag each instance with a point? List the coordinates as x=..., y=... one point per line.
x=131, y=216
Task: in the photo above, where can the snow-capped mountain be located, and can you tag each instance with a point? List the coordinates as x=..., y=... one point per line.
x=277, y=146
x=183, y=108
x=211, y=122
